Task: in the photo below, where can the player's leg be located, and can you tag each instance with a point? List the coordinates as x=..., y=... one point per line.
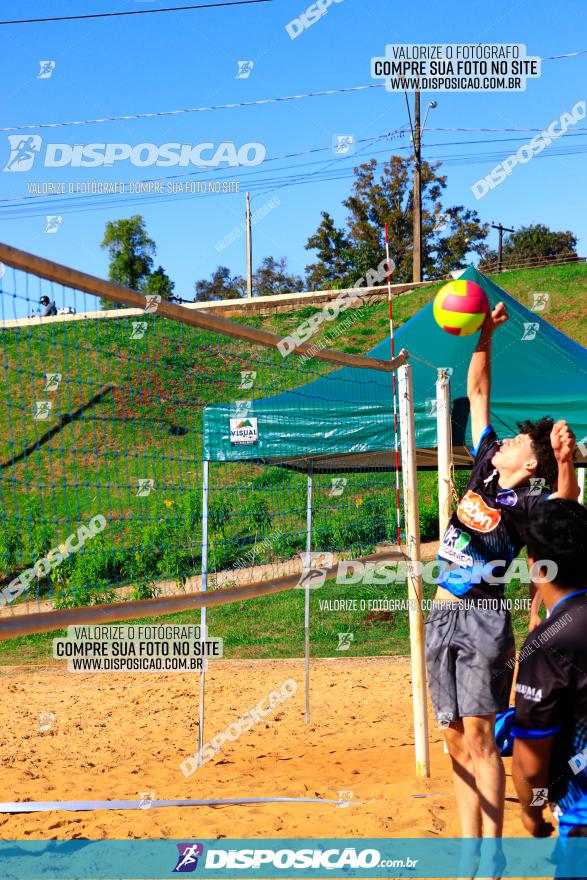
x=440, y=665
x=484, y=671
x=489, y=772
x=463, y=768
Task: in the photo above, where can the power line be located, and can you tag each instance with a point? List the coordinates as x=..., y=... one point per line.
x=157, y=113
x=133, y=12
x=232, y=106
x=258, y=185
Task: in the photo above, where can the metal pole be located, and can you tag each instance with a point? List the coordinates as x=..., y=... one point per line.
x=444, y=447
x=581, y=478
x=307, y=596
x=417, y=195
x=249, y=250
x=412, y=528
x=203, y=633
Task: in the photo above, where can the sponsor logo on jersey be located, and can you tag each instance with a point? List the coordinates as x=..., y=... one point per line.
x=529, y=693
x=454, y=546
x=507, y=497
x=476, y=514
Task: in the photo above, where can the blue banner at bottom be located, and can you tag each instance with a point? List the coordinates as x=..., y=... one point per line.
x=288, y=857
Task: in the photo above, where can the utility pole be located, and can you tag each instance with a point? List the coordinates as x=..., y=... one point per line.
x=249, y=250
x=501, y=229
x=417, y=198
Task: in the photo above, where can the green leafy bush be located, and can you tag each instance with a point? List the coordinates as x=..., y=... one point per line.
x=10, y=542
x=38, y=531
x=90, y=574
x=429, y=523
x=256, y=511
x=219, y=512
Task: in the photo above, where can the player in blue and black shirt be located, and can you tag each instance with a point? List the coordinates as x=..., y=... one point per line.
x=469, y=636
x=550, y=723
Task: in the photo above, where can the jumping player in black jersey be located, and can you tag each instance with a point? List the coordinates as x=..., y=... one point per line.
x=550, y=724
x=469, y=635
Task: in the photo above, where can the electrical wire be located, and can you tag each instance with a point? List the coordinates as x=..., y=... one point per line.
x=133, y=12
x=283, y=98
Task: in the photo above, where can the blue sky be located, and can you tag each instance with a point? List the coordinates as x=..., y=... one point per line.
x=149, y=63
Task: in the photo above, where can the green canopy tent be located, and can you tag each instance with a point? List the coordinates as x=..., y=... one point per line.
x=344, y=421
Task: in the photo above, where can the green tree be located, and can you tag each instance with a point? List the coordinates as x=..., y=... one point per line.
x=534, y=241
x=160, y=284
x=383, y=194
x=131, y=251
x=332, y=247
x=222, y=285
x=272, y=278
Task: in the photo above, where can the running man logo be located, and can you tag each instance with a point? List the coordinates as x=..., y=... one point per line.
x=53, y=224
x=537, y=485
x=52, y=381
x=531, y=329
x=146, y=486
x=539, y=797
x=152, y=301
x=343, y=144
x=23, y=151
x=245, y=68
x=345, y=640
x=476, y=514
x=139, y=328
x=315, y=567
x=46, y=69
x=187, y=860
x=42, y=410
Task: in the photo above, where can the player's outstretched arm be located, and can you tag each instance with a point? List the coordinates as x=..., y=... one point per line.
x=479, y=376
x=562, y=440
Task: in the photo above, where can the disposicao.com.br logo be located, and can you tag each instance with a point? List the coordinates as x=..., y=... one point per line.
x=329, y=858
x=24, y=151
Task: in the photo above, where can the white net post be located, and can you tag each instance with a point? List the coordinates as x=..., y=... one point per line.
x=581, y=478
x=205, y=477
x=307, y=596
x=444, y=448
x=412, y=530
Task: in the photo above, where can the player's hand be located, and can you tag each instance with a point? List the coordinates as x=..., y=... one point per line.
x=535, y=620
x=535, y=823
x=496, y=318
x=562, y=441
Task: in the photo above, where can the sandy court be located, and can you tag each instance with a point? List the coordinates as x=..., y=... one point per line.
x=120, y=735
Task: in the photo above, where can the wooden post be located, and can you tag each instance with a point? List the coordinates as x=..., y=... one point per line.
x=249, y=250
x=417, y=194
x=307, y=596
x=412, y=530
x=444, y=447
x=205, y=466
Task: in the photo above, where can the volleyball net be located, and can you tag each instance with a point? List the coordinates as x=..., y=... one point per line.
x=108, y=425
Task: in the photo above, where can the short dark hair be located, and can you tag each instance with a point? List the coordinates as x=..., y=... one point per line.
x=557, y=530
x=44, y=298
x=539, y=433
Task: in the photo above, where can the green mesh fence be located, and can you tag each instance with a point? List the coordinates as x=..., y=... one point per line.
x=101, y=456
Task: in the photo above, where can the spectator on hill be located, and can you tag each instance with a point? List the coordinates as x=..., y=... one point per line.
x=48, y=307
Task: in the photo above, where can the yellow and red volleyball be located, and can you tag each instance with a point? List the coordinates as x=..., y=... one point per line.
x=460, y=307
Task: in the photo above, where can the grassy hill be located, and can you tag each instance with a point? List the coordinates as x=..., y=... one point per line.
x=129, y=410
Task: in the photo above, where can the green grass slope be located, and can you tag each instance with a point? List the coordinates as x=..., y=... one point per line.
x=129, y=409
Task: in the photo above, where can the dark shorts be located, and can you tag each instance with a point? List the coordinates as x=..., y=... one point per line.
x=470, y=661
